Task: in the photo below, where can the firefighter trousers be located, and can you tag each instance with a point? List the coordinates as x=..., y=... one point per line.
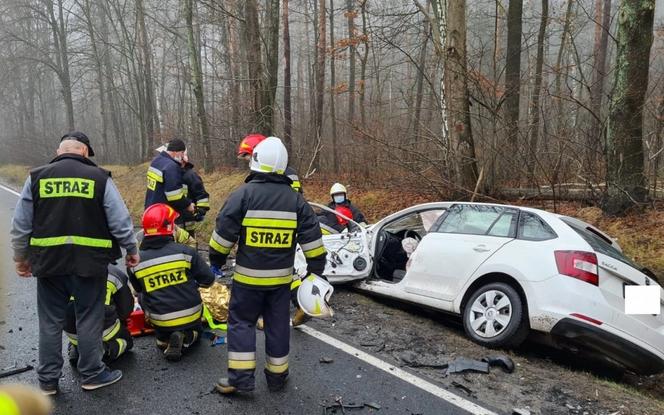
x=247, y=304
x=53, y=295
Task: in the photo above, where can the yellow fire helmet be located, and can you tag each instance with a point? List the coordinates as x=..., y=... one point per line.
x=313, y=295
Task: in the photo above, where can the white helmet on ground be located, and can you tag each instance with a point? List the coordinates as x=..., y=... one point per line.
x=313, y=295
x=269, y=156
x=337, y=188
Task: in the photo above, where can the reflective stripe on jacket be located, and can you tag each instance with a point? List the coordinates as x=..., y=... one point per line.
x=267, y=220
x=169, y=276
x=164, y=183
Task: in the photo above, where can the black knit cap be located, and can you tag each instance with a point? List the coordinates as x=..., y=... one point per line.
x=176, y=145
x=80, y=137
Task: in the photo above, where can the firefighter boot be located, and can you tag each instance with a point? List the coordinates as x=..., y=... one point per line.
x=173, y=351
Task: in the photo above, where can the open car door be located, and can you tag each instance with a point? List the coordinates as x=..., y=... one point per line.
x=349, y=255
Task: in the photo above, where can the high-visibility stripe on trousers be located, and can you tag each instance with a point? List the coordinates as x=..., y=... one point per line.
x=247, y=304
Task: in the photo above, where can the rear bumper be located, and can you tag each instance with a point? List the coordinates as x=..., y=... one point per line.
x=595, y=339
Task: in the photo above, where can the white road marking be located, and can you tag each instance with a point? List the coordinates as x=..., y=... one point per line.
x=427, y=386
x=12, y=191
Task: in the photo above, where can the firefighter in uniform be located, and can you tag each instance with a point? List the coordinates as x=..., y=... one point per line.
x=244, y=152
x=164, y=181
x=119, y=304
x=69, y=224
x=194, y=189
x=167, y=281
x=343, y=205
x=266, y=219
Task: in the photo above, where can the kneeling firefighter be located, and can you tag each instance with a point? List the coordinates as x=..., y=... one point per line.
x=266, y=219
x=119, y=303
x=167, y=280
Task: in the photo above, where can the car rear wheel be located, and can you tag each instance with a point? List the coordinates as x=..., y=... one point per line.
x=495, y=316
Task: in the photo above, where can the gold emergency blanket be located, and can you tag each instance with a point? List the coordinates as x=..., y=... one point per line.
x=216, y=299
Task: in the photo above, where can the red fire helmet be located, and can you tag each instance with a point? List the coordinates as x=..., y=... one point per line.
x=159, y=219
x=248, y=143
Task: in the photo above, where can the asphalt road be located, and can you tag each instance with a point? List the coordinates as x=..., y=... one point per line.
x=151, y=385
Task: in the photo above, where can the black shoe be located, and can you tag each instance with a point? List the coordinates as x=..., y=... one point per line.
x=72, y=352
x=49, y=389
x=105, y=378
x=174, y=350
x=225, y=388
x=278, y=386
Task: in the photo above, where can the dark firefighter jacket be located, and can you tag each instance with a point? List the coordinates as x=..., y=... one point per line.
x=165, y=183
x=194, y=189
x=168, y=278
x=119, y=304
x=295, y=179
x=267, y=220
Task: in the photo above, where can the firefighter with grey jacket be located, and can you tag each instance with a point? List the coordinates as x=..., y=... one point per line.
x=167, y=282
x=266, y=218
x=69, y=224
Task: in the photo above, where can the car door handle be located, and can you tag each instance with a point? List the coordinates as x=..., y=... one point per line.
x=481, y=248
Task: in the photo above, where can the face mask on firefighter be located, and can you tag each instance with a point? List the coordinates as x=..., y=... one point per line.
x=339, y=198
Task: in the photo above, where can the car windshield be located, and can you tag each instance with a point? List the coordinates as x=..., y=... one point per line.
x=600, y=245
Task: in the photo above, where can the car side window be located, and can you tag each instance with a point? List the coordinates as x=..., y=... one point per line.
x=478, y=220
x=533, y=228
x=505, y=225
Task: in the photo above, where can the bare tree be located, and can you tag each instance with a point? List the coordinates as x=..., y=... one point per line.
x=288, y=128
x=197, y=84
x=626, y=180
x=513, y=70
x=537, y=92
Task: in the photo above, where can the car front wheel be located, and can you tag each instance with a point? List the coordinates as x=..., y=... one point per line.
x=495, y=316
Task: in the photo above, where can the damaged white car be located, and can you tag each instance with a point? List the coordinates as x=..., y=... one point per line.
x=507, y=271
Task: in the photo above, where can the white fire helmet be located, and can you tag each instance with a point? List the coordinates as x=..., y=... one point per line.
x=337, y=188
x=269, y=156
x=313, y=295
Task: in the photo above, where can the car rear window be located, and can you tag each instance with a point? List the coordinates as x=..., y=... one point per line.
x=600, y=245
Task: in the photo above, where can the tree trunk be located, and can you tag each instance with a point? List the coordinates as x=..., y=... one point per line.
x=439, y=27
x=350, y=14
x=269, y=84
x=104, y=155
x=626, y=180
x=333, y=81
x=62, y=56
x=461, y=135
x=148, y=88
x=602, y=25
x=254, y=59
x=288, y=141
x=419, y=83
x=320, y=74
x=559, y=65
x=537, y=91
x=197, y=84
x=363, y=65
x=513, y=70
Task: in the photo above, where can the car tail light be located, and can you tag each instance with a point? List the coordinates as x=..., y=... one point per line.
x=578, y=264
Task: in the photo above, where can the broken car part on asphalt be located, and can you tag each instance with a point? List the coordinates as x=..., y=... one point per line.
x=15, y=371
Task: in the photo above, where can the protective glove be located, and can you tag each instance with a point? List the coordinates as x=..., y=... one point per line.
x=199, y=214
x=216, y=270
